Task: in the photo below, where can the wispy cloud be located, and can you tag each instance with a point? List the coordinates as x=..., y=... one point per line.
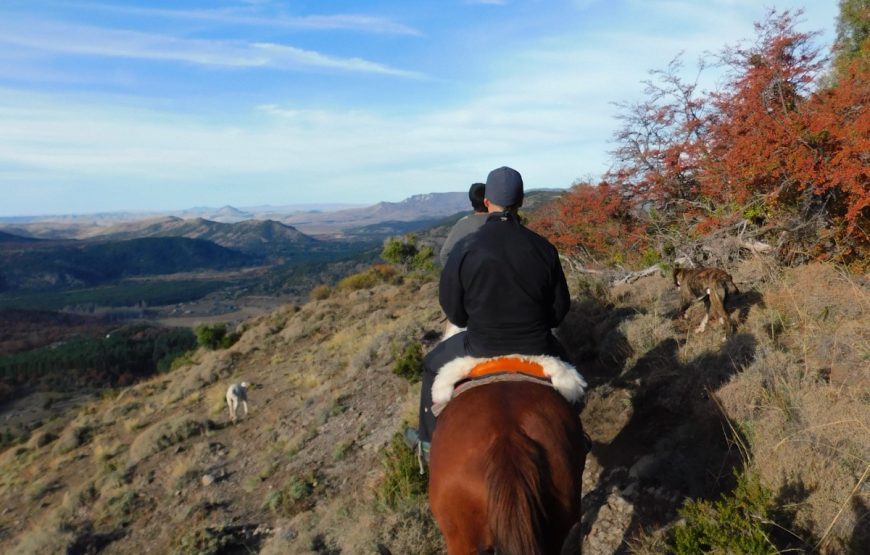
x=542, y=105
x=255, y=15
x=97, y=41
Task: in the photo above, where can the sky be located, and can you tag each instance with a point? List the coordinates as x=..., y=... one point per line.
x=166, y=105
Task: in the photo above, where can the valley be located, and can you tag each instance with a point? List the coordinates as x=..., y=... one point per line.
x=81, y=300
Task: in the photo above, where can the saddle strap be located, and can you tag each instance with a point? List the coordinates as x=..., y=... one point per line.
x=465, y=385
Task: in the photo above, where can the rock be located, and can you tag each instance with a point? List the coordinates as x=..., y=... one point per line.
x=207, y=480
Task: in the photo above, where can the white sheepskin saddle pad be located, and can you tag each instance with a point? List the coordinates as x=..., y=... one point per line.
x=562, y=376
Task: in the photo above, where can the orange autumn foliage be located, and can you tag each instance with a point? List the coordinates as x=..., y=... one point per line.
x=589, y=222
x=776, y=140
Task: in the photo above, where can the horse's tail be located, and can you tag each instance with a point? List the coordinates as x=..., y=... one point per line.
x=516, y=506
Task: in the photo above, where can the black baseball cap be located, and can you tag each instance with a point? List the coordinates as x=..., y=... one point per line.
x=504, y=186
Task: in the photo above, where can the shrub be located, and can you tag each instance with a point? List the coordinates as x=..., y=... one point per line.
x=215, y=336
x=294, y=497
x=74, y=436
x=205, y=541
x=409, y=364
x=361, y=280
x=121, y=506
x=186, y=359
x=734, y=524
x=406, y=254
x=424, y=260
x=320, y=292
x=341, y=450
x=402, y=482
x=384, y=271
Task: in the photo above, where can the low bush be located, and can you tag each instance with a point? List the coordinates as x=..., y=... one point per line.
x=294, y=497
x=361, y=280
x=402, y=483
x=215, y=336
x=734, y=524
x=409, y=363
x=320, y=292
x=186, y=359
x=197, y=542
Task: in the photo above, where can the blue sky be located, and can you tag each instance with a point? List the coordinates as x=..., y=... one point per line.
x=167, y=105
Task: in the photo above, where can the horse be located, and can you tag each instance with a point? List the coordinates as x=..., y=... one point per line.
x=505, y=471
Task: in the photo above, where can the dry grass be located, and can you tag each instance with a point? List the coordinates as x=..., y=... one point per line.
x=163, y=434
x=76, y=434
x=803, y=401
x=792, y=382
x=183, y=471
x=215, y=400
x=105, y=452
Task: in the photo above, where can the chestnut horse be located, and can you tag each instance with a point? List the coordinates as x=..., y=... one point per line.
x=506, y=471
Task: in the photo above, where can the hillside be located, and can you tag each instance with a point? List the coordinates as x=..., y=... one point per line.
x=156, y=468
x=429, y=206
x=11, y=238
x=255, y=237
x=57, y=264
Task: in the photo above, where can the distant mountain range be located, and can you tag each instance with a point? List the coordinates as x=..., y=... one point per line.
x=429, y=207
x=327, y=219
x=72, y=252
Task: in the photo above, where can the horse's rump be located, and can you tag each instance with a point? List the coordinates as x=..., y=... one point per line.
x=506, y=466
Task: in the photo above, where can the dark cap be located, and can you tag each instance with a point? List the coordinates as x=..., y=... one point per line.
x=504, y=186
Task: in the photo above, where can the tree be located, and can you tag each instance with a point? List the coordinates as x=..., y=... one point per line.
x=853, y=32
x=661, y=140
x=404, y=252
x=771, y=142
x=757, y=132
x=210, y=336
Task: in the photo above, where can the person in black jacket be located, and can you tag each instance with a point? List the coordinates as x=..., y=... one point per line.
x=505, y=284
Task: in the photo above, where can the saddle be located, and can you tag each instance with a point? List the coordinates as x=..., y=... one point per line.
x=465, y=373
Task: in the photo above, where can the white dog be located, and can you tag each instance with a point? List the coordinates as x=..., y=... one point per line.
x=237, y=394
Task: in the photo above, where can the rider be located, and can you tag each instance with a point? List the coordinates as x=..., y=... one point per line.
x=467, y=224
x=505, y=284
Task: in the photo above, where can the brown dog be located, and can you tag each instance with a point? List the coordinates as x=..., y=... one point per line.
x=712, y=285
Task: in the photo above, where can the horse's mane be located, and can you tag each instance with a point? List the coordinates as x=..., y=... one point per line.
x=517, y=510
